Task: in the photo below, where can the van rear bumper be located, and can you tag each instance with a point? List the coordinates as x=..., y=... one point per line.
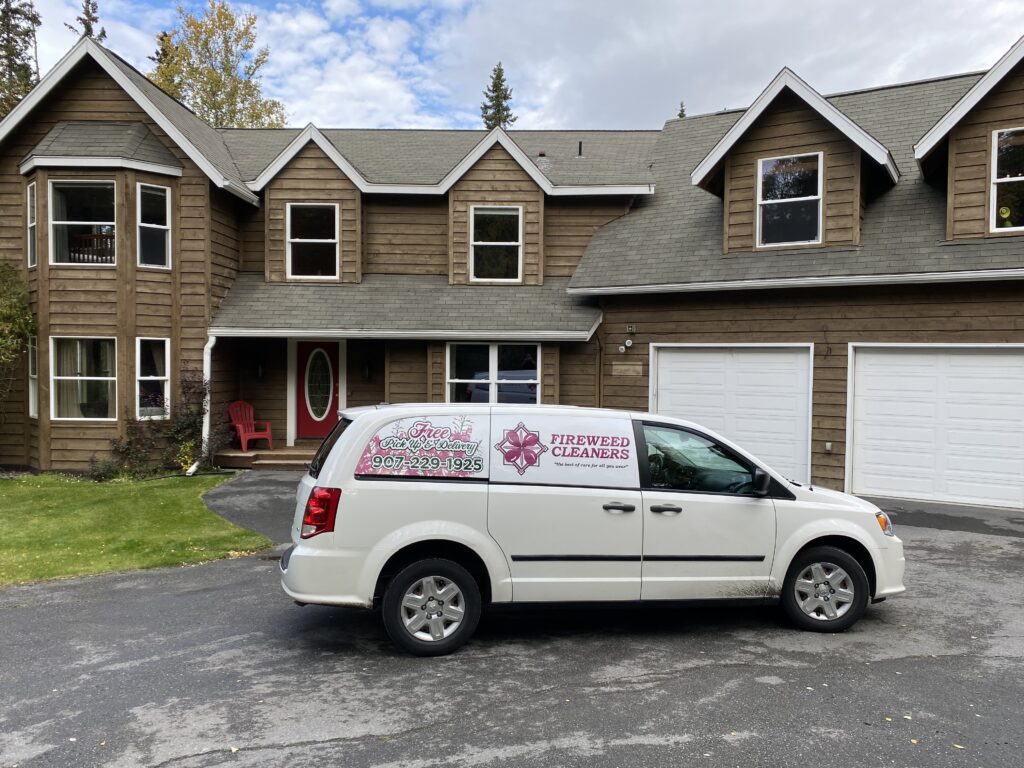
x=322, y=577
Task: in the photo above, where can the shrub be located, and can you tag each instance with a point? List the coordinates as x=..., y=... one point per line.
x=17, y=323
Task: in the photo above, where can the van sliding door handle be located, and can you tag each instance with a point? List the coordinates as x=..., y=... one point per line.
x=661, y=509
x=616, y=506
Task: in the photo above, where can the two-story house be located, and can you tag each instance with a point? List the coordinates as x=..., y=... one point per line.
x=832, y=281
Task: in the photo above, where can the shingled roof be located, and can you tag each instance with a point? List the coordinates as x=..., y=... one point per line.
x=127, y=141
x=404, y=306
x=673, y=239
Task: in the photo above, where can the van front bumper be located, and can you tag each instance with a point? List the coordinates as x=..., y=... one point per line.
x=323, y=577
x=889, y=567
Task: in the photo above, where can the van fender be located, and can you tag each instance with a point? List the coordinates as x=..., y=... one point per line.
x=786, y=550
x=439, y=530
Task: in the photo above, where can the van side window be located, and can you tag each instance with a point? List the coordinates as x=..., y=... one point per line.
x=680, y=460
x=325, y=447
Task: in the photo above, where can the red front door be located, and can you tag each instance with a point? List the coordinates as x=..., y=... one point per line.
x=317, y=388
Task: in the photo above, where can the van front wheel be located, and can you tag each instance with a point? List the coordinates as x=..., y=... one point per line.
x=826, y=590
x=431, y=607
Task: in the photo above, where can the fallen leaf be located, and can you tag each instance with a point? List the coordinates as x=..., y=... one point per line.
x=957, y=746
x=907, y=717
x=888, y=719
x=234, y=749
x=913, y=741
x=72, y=739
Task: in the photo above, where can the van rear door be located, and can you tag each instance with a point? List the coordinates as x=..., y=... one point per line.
x=564, y=504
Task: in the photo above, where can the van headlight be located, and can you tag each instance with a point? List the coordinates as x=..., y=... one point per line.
x=884, y=523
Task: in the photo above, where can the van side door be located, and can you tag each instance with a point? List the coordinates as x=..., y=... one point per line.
x=564, y=504
x=706, y=535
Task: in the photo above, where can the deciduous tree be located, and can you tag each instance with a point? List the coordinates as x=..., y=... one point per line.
x=19, y=60
x=495, y=109
x=211, y=64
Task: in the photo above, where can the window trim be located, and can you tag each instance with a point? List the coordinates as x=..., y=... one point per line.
x=820, y=197
x=165, y=379
x=139, y=226
x=50, y=223
x=993, y=229
x=492, y=365
x=473, y=243
x=289, y=240
x=54, y=378
x=32, y=225
x=33, y=377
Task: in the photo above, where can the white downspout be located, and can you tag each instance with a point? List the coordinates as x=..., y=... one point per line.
x=207, y=377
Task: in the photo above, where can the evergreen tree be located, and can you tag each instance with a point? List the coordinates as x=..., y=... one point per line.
x=19, y=66
x=495, y=109
x=89, y=20
x=682, y=109
x=210, y=63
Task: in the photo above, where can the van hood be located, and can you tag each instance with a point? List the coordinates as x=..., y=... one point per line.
x=838, y=498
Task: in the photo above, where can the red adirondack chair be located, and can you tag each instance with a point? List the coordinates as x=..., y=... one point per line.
x=247, y=429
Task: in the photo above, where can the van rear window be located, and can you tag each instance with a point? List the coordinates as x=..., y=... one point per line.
x=325, y=447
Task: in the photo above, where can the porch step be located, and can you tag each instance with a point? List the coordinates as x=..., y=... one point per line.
x=287, y=458
x=298, y=465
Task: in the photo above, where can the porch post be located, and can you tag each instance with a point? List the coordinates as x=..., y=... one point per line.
x=208, y=384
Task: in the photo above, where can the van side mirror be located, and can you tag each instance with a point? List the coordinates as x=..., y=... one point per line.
x=762, y=481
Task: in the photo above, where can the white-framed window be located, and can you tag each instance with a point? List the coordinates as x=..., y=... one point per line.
x=82, y=223
x=153, y=209
x=312, y=235
x=33, y=377
x=789, y=200
x=1007, y=201
x=496, y=243
x=493, y=373
x=83, y=378
x=152, y=378
x=30, y=224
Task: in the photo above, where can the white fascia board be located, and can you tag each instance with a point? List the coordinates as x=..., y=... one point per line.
x=789, y=79
x=64, y=161
x=969, y=101
x=908, y=278
x=496, y=136
x=378, y=333
x=86, y=47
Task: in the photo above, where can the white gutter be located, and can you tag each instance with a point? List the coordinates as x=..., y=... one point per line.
x=207, y=378
x=909, y=278
x=438, y=335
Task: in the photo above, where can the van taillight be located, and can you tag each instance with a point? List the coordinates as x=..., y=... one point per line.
x=321, y=508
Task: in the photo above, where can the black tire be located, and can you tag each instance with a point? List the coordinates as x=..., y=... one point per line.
x=855, y=580
x=441, y=572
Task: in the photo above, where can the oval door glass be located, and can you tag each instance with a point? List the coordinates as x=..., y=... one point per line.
x=319, y=385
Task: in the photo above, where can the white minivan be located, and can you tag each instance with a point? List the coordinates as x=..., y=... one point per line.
x=432, y=512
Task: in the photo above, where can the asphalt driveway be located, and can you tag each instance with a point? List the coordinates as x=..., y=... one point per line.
x=212, y=665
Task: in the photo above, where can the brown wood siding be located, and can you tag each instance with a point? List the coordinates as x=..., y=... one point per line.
x=122, y=301
x=970, y=158
x=790, y=127
x=496, y=179
x=312, y=177
x=549, y=374
x=365, y=381
x=224, y=380
x=578, y=368
x=830, y=319
x=406, y=367
x=261, y=368
x=568, y=226
x=224, y=245
x=252, y=236
x=405, y=235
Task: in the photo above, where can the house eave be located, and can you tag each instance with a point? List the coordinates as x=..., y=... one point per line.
x=804, y=282
x=426, y=334
x=65, y=161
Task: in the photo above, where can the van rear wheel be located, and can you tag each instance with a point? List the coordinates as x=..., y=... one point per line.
x=826, y=590
x=431, y=607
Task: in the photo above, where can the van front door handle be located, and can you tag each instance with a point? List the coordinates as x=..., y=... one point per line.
x=662, y=509
x=616, y=506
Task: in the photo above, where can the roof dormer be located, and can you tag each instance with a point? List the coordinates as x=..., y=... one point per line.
x=791, y=171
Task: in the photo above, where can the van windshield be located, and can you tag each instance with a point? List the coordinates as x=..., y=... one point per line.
x=325, y=447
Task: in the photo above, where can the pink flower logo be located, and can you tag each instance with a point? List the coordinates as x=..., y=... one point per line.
x=521, y=448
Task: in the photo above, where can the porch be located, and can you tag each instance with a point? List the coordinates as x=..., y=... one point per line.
x=294, y=457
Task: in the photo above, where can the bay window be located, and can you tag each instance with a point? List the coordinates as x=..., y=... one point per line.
x=154, y=217
x=152, y=381
x=493, y=373
x=82, y=223
x=83, y=378
x=496, y=243
x=30, y=224
x=1007, y=201
x=789, y=200
x=33, y=377
x=312, y=240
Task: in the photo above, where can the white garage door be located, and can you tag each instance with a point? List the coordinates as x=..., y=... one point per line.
x=758, y=397
x=939, y=424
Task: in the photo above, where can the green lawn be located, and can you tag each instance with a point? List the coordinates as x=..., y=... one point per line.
x=54, y=525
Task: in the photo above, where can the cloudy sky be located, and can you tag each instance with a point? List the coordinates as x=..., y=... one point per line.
x=571, y=63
